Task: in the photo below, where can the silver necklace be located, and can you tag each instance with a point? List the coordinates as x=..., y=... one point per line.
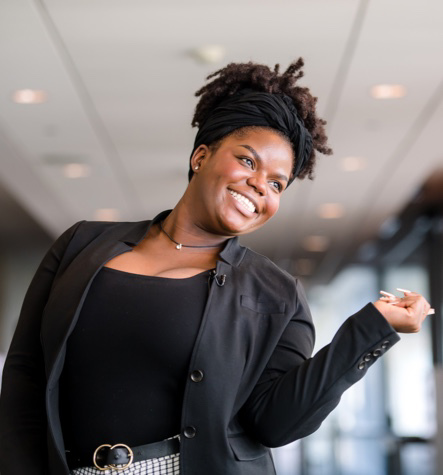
x=179, y=245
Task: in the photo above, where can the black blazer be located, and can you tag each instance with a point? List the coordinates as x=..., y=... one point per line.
x=260, y=388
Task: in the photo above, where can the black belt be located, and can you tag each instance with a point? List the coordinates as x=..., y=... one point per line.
x=107, y=456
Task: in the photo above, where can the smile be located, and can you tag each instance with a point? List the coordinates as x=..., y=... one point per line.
x=243, y=200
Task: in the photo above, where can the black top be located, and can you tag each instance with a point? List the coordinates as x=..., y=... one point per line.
x=127, y=359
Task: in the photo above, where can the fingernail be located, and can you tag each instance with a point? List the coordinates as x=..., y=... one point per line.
x=404, y=290
x=392, y=296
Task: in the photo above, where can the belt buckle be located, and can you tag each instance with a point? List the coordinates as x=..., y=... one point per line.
x=113, y=465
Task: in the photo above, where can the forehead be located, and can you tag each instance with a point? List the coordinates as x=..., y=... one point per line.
x=269, y=144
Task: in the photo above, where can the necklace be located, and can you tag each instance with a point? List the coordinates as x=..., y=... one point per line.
x=178, y=245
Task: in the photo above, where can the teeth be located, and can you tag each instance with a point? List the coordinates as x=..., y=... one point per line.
x=243, y=200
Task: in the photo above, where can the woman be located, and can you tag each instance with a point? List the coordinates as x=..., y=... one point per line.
x=131, y=362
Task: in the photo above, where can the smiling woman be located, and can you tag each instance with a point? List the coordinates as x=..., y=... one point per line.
x=164, y=346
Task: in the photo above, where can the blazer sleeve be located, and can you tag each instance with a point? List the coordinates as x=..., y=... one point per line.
x=22, y=403
x=296, y=392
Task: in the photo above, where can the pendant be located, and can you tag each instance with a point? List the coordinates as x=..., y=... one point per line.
x=178, y=246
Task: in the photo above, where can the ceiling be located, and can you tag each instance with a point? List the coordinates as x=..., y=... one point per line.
x=120, y=78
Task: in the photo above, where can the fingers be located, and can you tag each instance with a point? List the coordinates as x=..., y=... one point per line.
x=387, y=295
x=410, y=299
x=407, y=313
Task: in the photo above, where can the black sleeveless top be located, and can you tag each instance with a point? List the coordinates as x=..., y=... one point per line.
x=127, y=359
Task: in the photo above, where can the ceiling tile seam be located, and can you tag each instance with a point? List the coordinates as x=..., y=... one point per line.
x=134, y=201
x=345, y=64
x=339, y=82
x=379, y=183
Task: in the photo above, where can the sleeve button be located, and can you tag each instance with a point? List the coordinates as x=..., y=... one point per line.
x=361, y=365
x=385, y=344
x=377, y=352
x=368, y=357
x=189, y=432
x=197, y=376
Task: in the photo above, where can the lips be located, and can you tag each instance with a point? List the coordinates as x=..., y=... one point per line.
x=243, y=200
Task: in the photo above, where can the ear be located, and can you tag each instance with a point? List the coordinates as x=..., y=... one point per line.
x=199, y=157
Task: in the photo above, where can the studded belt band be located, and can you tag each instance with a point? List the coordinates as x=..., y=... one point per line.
x=120, y=456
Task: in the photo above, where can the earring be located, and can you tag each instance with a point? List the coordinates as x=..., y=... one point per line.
x=196, y=167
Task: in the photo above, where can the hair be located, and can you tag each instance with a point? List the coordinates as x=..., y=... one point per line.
x=235, y=76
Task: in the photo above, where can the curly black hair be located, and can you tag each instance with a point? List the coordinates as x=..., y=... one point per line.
x=235, y=76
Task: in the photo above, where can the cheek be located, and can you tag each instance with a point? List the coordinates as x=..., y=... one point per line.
x=273, y=205
x=229, y=169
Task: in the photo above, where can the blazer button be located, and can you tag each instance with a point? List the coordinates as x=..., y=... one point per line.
x=197, y=376
x=189, y=432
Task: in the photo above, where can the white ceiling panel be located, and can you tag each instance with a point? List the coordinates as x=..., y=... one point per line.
x=120, y=79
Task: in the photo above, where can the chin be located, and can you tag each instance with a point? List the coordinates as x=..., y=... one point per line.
x=237, y=227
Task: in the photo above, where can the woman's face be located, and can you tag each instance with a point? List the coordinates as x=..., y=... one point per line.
x=238, y=186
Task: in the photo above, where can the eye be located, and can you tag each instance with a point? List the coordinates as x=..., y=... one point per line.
x=277, y=185
x=248, y=161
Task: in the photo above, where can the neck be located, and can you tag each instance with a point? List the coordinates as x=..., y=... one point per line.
x=182, y=226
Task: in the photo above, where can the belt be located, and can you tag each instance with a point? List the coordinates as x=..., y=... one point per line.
x=120, y=456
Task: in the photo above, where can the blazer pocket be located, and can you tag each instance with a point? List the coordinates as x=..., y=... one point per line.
x=245, y=448
x=262, y=307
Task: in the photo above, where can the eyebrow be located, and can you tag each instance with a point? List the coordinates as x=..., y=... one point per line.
x=259, y=159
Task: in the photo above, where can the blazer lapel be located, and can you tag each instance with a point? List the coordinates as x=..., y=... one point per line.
x=68, y=295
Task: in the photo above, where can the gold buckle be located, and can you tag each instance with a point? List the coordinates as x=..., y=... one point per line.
x=113, y=465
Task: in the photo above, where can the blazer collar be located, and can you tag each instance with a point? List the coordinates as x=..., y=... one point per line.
x=232, y=253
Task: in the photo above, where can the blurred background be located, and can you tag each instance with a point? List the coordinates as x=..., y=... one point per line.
x=96, y=100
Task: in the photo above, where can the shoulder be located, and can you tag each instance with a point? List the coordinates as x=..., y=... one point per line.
x=263, y=264
x=270, y=274
x=266, y=281
x=130, y=230
x=98, y=227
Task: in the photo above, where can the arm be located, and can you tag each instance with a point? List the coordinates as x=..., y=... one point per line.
x=22, y=404
x=291, y=403
x=294, y=396
x=295, y=393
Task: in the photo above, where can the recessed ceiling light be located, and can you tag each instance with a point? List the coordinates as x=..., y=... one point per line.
x=388, y=91
x=352, y=164
x=107, y=214
x=209, y=54
x=29, y=96
x=316, y=243
x=76, y=170
x=61, y=159
x=330, y=211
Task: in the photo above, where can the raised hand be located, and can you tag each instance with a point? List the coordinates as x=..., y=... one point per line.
x=406, y=314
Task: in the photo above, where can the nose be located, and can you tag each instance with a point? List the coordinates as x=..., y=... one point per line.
x=258, y=183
